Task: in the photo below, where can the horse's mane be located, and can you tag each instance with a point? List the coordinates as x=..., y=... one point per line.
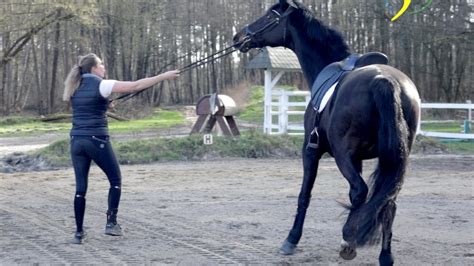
x=324, y=36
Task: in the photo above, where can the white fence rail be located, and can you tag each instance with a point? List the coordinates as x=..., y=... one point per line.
x=281, y=107
x=469, y=106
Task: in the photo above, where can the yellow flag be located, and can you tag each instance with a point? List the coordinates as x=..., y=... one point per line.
x=406, y=4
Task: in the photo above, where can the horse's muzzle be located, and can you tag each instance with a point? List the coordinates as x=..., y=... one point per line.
x=242, y=41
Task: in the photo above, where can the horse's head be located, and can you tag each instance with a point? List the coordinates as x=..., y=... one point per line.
x=269, y=30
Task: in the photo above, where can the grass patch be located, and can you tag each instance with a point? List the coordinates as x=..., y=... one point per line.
x=13, y=126
x=15, y=120
x=254, y=109
x=459, y=146
x=159, y=119
x=448, y=127
x=438, y=146
x=56, y=154
x=428, y=145
x=250, y=144
x=25, y=126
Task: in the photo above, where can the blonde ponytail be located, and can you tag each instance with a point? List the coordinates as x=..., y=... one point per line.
x=71, y=83
x=73, y=79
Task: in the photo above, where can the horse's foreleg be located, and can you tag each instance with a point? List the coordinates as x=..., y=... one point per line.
x=388, y=215
x=310, y=166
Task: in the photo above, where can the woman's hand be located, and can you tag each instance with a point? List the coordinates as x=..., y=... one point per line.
x=111, y=106
x=172, y=74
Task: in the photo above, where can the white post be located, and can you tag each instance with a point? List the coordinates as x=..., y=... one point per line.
x=280, y=111
x=418, y=125
x=469, y=111
x=283, y=113
x=267, y=108
x=269, y=84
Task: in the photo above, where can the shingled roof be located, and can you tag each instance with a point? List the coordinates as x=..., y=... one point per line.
x=275, y=58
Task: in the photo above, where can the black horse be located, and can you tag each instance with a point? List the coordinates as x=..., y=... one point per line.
x=374, y=112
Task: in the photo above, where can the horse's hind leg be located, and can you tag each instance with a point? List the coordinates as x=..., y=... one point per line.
x=351, y=169
x=387, y=216
x=310, y=167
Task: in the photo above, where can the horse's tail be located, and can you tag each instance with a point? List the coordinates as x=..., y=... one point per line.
x=393, y=150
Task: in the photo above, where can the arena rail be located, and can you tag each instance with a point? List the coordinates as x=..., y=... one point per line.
x=281, y=108
x=469, y=106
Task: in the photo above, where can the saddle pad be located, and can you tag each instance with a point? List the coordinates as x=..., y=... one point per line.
x=326, y=97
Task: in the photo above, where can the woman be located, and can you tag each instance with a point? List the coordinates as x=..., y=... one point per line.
x=87, y=90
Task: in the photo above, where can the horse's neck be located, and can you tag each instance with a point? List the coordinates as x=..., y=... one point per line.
x=313, y=57
x=311, y=63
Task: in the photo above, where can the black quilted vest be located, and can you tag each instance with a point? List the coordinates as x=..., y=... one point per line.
x=89, y=108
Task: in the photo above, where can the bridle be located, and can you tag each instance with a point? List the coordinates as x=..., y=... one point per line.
x=249, y=34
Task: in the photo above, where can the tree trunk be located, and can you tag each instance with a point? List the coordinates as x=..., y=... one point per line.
x=54, y=67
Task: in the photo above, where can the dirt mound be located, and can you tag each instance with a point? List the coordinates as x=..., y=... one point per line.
x=425, y=145
x=21, y=162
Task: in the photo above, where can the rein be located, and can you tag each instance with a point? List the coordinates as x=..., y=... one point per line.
x=209, y=59
x=221, y=53
x=213, y=57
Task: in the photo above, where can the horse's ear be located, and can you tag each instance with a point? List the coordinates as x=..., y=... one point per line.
x=292, y=3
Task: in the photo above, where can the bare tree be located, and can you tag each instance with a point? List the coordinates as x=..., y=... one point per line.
x=40, y=41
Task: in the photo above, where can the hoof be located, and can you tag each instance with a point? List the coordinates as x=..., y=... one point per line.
x=347, y=251
x=287, y=248
x=386, y=259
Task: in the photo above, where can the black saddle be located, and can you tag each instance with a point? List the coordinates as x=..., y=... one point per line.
x=334, y=72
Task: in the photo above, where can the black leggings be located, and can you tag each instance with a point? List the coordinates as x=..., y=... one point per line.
x=84, y=150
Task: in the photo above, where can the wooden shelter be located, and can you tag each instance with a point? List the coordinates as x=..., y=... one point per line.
x=276, y=61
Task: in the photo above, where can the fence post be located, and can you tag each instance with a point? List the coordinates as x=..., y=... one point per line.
x=307, y=99
x=280, y=111
x=267, y=116
x=467, y=123
x=283, y=113
x=469, y=111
